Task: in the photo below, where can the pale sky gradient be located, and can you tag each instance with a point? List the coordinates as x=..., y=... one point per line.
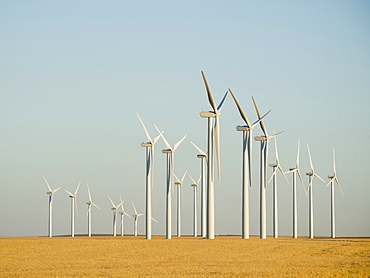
x=74, y=74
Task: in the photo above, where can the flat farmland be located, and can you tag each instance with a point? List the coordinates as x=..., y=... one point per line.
x=228, y=256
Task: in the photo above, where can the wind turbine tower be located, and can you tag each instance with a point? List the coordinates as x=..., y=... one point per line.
x=170, y=152
x=195, y=211
x=89, y=203
x=311, y=176
x=276, y=166
x=73, y=205
x=333, y=179
x=179, y=190
x=122, y=213
x=50, y=193
x=114, y=209
x=296, y=171
x=213, y=139
x=135, y=216
x=203, y=214
x=247, y=164
x=149, y=177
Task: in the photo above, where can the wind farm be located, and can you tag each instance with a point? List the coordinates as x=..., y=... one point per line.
x=105, y=104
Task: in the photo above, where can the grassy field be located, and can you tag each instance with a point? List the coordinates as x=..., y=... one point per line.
x=183, y=257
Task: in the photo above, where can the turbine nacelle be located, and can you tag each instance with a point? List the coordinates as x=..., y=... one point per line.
x=273, y=165
x=49, y=193
x=194, y=185
x=88, y=203
x=243, y=128
x=147, y=144
x=201, y=156
x=178, y=183
x=261, y=138
x=167, y=151
x=309, y=174
x=209, y=114
x=331, y=177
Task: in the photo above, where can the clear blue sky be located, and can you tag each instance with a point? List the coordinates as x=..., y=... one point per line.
x=74, y=74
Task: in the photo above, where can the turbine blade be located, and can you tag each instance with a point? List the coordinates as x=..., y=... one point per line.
x=178, y=143
x=199, y=179
x=88, y=189
x=146, y=131
x=134, y=206
x=47, y=185
x=199, y=150
x=192, y=179
x=259, y=116
x=309, y=155
x=281, y=170
x=276, y=151
x=112, y=202
x=127, y=214
x=319, y=177
x=300, y=177
x=260, y=119
x=69, y=192
x=219, y=107
x=341, y=191
x=297, y=161
x=177, y=179
x=75, y=202
x=164, y=139
x=241, y=112
x=55, y=190
x=78, y=186
x=157, y=138
x=273, y=174
x=95, y=205
x=217, y=143
x=210, y=96
x=154, y=220
x=334, y=170
x=183, y=177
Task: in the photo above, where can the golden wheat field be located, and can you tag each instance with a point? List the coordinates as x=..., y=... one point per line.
x=227, y=256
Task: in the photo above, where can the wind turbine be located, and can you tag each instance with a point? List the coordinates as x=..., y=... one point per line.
x=50, y=193
x=179, y=189
x=89, y=203
x=247, y=164
x=264, y=155
x=170, y=168
x=122, y=213
x=114, y=209
x=333, y=179
x=149, y=177
x=296, y=171
x=213, y=139
x=276, y=166
x=203, y=220
x=135, y=216
x=73, y=204
x=311, y=176
x=195, y=185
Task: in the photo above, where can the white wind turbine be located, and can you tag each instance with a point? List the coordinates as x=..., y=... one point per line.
x=179, y=190
x=50, y=193
x=247, y=164
x=73, y=204
x=89, y=203
x=135, y=216
x=213, y=139
x=203, y=220
x=276, y=166
x=296, y=171
x=149, y=177
x=264, y=155
x=170, y=168
x=311, y=175
x=114, y=209
x=122, y=213
x=195, y=211
x=333, y=179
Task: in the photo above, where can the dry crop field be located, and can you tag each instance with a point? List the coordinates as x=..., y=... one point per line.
x=183, y=257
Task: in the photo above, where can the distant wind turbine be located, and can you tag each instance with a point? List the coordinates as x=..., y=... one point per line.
x=89, y=203
x=296, y=171
x=122, y=213
x=170, y=168
x=264, y=156
x=179, y=190
x=247, y=164
x=114, y=209
x=333, y=180
x=213, y=139
x=135, y=216
x=73, y=205
x=50, y=193
x=149, y=177
x=276, y=166
x=311, y=176
x=203, y=214
x=195, y=211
